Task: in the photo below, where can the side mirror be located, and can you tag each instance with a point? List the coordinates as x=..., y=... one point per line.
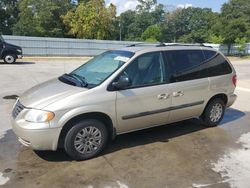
x=122, y=83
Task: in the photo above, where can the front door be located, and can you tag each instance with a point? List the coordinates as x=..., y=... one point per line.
x=146, y=102
x=1, y=48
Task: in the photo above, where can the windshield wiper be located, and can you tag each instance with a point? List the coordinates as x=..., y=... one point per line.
x=74, y=80
x=79, y=78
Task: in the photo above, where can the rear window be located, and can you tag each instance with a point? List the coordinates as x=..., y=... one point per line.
x=216, y=65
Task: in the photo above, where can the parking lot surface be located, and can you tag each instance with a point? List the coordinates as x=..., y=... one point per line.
x=179, y=155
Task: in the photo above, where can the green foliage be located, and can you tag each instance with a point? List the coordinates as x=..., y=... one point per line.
x=241, y=44
x=215, y=39
x=232, y=29
x=134, y=23
x=41, y=18
x=152, y=39
x=188, y=25
x=234, y=21
x=91, y=20
x=146, y=5
x=8, y=15
x=150, y=21
x=152, y=34
x=126, y=20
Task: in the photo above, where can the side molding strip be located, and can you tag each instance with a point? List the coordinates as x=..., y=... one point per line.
x=161, y=110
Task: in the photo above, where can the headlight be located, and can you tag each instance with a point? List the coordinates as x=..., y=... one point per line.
x=39, y=116
x=19, y=50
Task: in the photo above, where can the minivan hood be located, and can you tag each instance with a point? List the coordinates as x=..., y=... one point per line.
x=48, y=92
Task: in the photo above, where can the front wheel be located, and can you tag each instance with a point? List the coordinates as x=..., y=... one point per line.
x=213, y=113
x=9, y=58
x=86, y=139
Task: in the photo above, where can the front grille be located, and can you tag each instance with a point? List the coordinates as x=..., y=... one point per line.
x=17, y=109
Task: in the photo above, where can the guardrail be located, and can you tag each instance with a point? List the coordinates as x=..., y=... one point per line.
x=44, y=46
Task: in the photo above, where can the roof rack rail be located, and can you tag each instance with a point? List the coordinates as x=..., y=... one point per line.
x=141, y=44
x=162, y=44
x=182, y=44
x=132, y=45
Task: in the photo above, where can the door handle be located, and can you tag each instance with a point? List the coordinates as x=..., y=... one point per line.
x=163, y=96
x=178, y=93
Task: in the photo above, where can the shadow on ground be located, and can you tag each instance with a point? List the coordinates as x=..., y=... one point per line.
x=147, y=136
x=18, y=63
x=231, y=115
x=23, y=63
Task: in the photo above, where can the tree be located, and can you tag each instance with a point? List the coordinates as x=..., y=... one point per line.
x=241, y=45
x=134, y=23
x=83, y=1
x=234, y=22
x=142, y=21
x=158, y=13
x=152, y=34
x=42, y=18
x=8, y=15
x=91, y=20
x=215, y=39
x=146, y=5
x=3, y=26
x=188, y=25
x=125, y=20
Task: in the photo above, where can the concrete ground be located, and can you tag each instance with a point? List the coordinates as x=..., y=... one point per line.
x=179, y=155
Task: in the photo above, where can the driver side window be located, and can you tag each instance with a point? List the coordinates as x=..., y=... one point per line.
x=147, y=69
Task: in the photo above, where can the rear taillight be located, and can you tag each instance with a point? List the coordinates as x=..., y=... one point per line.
x=234, y=80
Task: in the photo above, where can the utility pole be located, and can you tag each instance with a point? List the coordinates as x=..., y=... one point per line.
x=120, y=30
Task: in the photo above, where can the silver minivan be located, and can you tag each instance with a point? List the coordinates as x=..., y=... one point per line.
x=121, y=91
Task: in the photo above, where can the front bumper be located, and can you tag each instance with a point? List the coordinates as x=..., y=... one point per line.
x=37, y=139
x=19, y=56
x=231, y=99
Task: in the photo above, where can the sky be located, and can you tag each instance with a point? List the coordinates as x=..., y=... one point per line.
x=123, y=5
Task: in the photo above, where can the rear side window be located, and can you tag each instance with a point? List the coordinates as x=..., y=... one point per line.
x=216, y=64
x=186, y=64
x=209, y=54
x=185, y=59
x=196, y=64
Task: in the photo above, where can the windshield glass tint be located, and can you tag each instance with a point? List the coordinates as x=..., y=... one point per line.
x=101, y=67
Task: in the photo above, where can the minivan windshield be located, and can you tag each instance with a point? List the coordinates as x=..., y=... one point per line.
x=1, y=38
x=95, y=71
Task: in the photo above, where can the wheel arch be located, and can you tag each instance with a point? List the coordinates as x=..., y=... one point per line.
x=221, y=96
x=104, y=118
x=8, y=52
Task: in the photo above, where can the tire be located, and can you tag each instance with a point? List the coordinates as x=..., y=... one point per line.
x=213, y=113
x=9, y=58
x=86, y=139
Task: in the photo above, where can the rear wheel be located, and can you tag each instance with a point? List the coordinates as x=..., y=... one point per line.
x=86, y=139
x=213, y=113
x=9, y=58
